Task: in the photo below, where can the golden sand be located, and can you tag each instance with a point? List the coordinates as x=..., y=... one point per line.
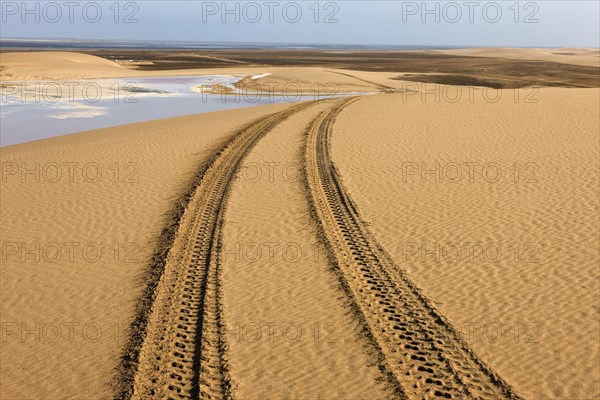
x=527, y=297
x=528, y=306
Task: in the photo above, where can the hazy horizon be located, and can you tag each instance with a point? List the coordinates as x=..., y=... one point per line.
x=191, y=43
x=375, y=23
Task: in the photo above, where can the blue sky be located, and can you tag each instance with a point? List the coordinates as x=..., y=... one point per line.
x=446, y=23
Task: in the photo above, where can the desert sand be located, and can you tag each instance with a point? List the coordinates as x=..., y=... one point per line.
x=117, y=219
x=66, y=66
x=588, y=57
x=282, y=303
x=306, y=250
x=532, y=314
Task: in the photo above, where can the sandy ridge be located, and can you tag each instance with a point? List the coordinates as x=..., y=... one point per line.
x=434, y=362
x=184, y=352
x=589, y=57
x=381, y=86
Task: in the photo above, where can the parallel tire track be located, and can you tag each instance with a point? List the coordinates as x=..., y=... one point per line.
x=184, y=352
x=424, y=354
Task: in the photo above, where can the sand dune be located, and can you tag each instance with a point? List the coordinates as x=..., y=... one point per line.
x=422, y=351
x=25, y=66
x=536, y=322
x=449, y=250
x=116, y=220
x=57, y=65
x=578, y=56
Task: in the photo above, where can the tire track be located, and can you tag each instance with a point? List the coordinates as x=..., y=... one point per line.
x=421, y=350
x=380, y=86
x=184, y=351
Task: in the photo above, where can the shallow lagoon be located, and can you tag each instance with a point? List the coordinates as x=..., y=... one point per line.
x=51, y=109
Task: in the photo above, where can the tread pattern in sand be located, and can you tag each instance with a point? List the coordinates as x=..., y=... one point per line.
x=291, y=331
x=423, y=352
x=184, y=352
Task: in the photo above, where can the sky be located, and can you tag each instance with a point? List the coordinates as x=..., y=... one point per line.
x=398, y=23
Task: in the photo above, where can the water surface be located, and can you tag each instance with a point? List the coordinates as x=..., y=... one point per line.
x=29, y=112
